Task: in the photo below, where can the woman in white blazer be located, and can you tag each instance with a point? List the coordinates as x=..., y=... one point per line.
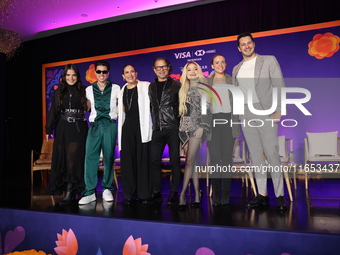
x=134, y=135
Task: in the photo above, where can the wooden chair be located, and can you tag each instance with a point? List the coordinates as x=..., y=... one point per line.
x=43, y=163
x=239, y=159
x=318, y=157
x=239, y=156
x=239, y=152
x=285, y=146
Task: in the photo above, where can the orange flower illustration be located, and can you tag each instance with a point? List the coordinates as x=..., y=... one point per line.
x=67, y=243
x=135, y=247
x=323, y=45
x=27, y=252
x=91, y=75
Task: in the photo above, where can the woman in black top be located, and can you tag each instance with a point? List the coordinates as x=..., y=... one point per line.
x=66, y=118
x=134, y=136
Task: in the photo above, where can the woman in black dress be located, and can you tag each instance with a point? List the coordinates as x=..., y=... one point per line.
x=66, y=118
x=134, y=136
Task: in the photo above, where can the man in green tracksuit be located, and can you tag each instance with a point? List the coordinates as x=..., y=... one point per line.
x=102, y=134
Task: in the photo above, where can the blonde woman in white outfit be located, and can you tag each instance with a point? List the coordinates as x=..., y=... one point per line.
x=134, y=135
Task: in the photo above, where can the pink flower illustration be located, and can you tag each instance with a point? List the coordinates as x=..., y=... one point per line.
x=204, y=251
x=12, y=239
x=67, y=243
x=135, y=247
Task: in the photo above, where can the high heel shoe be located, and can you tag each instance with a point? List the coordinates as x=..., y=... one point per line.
x=182, y=207
x=197, y=204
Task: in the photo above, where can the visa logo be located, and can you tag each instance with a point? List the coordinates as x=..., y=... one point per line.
x=182, y=55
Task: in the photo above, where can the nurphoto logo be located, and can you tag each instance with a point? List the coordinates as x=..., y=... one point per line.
x=279, y=97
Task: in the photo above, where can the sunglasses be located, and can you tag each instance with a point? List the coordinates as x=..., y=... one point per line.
x=102, y=71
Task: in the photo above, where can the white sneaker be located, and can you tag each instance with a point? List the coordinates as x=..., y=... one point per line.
x=107, y=195
x=87, y=199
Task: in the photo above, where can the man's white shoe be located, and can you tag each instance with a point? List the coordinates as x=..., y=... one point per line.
x=87, y=199
x=107, y=195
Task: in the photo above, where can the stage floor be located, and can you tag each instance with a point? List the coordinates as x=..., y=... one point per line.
x=313, y=211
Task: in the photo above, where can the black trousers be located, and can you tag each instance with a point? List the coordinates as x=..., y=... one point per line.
x=134, y=160
x=221, y=148
x=158, y=142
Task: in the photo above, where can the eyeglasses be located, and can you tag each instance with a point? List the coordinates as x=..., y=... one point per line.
x=161, y=67
x=102, y=71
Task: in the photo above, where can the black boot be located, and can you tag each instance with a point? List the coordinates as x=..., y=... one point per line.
x=70, y=195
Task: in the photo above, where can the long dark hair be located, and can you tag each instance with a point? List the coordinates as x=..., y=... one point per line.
x=79, y=86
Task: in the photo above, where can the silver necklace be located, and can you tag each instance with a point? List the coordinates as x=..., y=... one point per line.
x=129, y=102
x=101, y=88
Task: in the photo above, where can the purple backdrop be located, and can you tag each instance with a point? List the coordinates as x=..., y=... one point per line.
x=319, y=76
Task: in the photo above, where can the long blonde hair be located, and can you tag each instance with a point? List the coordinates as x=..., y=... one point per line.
x=183, y=92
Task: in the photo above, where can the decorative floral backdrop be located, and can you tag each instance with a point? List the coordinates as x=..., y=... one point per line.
x=67, y=244
x=307, y=58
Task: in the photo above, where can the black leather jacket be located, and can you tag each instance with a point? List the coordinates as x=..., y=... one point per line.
x=165, y=113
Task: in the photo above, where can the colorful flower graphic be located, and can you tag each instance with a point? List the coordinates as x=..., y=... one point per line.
x=50, y=76
x=12, y=239
x=67, y=243
x=204, y=251
x=27, y=252
x=205, y=74
x=90, y=74
x=135, y=247
x=323, y=45
x=177, y=77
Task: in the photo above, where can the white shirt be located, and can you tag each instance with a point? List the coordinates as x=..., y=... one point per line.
x=246, y=80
